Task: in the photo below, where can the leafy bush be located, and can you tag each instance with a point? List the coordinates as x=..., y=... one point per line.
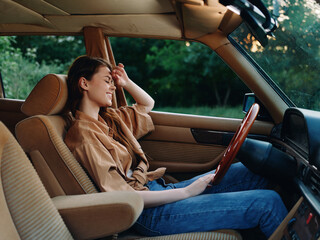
x=21, y=73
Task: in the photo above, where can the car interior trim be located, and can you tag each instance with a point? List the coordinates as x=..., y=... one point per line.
x=206, y=122
x=309, y=196
x=219, y=137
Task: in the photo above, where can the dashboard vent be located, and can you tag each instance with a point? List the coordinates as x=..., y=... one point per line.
x=314, y=183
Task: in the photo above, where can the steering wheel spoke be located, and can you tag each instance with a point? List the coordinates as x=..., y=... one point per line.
x=235, y=144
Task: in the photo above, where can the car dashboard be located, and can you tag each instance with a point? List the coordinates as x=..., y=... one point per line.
x=301, y=133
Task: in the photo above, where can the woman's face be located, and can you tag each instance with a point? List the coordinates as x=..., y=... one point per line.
x=101, y=88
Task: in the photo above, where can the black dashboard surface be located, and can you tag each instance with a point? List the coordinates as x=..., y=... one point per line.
x=301, y=131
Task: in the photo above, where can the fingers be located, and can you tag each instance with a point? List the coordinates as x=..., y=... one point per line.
x=120, y=67
x=119, y=75
x=114, y=75
x=117, y=71
x=198, y=186
x=207, y=179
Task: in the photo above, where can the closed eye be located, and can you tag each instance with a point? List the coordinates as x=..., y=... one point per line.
x=109, y=80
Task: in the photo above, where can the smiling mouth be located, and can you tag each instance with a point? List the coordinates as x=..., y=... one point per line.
x=109, y=95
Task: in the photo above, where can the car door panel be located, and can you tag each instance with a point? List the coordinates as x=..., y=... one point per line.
x=190, y=143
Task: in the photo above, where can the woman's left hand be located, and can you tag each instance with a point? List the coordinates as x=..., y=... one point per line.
x=198, y=186
x=120, y=76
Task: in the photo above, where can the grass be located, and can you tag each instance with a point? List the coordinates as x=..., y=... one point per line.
x=227, y=111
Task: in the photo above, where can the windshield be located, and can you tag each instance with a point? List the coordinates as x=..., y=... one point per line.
x=292, y=58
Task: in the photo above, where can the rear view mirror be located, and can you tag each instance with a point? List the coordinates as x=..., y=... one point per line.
x=249, y=99
x=257, y=17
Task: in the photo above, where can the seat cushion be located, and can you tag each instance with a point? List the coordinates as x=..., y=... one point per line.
x=216, y=235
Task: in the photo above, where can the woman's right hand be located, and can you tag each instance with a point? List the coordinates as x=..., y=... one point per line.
x=157, y=198
x=198, y=186
x=120, y=76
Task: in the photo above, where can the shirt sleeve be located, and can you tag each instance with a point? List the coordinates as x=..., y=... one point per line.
x=136, y=119
x=100, y=165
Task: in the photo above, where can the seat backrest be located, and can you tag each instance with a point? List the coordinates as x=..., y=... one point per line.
x=26, y=209
x=41, y=136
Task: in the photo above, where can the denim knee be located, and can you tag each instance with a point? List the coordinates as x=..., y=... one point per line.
x=274, y=211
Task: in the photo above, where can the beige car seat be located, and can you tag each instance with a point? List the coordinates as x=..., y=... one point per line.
x=27, y=211
x=23, y=197
x=41, y=136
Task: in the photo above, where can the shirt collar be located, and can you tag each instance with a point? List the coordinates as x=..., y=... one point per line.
x=82, y=116
x=100, y=122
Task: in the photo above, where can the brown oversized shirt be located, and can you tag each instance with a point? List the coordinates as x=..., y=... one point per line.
x=107, y=161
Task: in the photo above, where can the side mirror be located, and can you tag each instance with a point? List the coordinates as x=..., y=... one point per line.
x=249, y=99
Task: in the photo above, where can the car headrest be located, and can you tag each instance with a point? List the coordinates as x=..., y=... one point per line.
x=48, y=97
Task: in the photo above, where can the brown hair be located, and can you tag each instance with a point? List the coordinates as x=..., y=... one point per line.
x=86, y=67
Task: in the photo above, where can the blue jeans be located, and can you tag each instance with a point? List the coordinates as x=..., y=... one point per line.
x=237, y=202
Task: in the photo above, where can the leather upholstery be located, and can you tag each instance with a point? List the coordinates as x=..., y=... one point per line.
x=48, y=97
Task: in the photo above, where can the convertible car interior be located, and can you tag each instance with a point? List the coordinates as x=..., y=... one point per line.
x=47, y=194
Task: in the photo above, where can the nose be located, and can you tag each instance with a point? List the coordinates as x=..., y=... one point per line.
x=113, y=87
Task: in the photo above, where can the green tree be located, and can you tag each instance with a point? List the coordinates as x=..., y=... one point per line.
x=192, y=75
x=132, y=52
x=56, y=50
x=20, y=73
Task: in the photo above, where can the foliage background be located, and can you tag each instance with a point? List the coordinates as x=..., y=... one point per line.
x=181, y=79
x=188, y=79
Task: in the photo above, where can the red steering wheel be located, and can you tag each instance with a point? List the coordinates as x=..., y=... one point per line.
x=236, y=142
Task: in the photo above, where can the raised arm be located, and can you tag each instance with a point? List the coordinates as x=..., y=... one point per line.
x=157, y=198
x=139, y=95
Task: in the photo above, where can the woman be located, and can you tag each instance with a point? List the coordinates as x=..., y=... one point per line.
x=104, y=141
